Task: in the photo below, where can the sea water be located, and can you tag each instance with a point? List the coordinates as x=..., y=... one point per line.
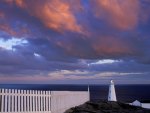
x=125, y=93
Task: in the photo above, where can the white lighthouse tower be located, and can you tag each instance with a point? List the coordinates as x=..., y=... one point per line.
x=112, y=93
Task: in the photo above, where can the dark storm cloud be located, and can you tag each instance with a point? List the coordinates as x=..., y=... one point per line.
x=68, y=35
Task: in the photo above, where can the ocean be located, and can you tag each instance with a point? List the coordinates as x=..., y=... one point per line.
x=125, y=93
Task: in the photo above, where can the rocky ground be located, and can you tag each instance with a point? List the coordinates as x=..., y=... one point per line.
x=107, y=107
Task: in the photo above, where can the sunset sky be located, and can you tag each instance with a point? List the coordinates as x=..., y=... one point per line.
x=75, y=41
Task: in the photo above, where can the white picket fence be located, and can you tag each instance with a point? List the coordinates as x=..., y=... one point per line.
x=33, y=101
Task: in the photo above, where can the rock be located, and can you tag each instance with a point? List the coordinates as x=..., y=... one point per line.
x=107, y=107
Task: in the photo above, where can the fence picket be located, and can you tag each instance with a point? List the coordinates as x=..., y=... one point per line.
x=46, y=101
x=39, y=106
x=28, y=100
x=22, y=100
x=12, y=105
x=18, y=100
x=5, y=100
x=36, y=101
x=15, y=100
x=25, y=102
x=2, y=102
x=33, y=100
x=43, y=101
x=9, y=99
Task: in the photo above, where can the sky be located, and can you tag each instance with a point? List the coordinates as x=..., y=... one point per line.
x=74, y=41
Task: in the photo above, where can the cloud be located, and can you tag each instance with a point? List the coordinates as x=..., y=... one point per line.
x=121, y=14
x=105, y=61
x=113, y=47
x=54, y=14
x=84, y=77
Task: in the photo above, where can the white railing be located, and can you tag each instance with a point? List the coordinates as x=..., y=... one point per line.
x=33, y=101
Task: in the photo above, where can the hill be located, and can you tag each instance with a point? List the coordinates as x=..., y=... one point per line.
x=107, y=107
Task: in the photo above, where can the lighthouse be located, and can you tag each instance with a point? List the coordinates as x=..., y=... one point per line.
x=112, y=93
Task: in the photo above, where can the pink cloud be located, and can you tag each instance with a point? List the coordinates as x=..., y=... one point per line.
x=54, y=14
x=122, y=14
